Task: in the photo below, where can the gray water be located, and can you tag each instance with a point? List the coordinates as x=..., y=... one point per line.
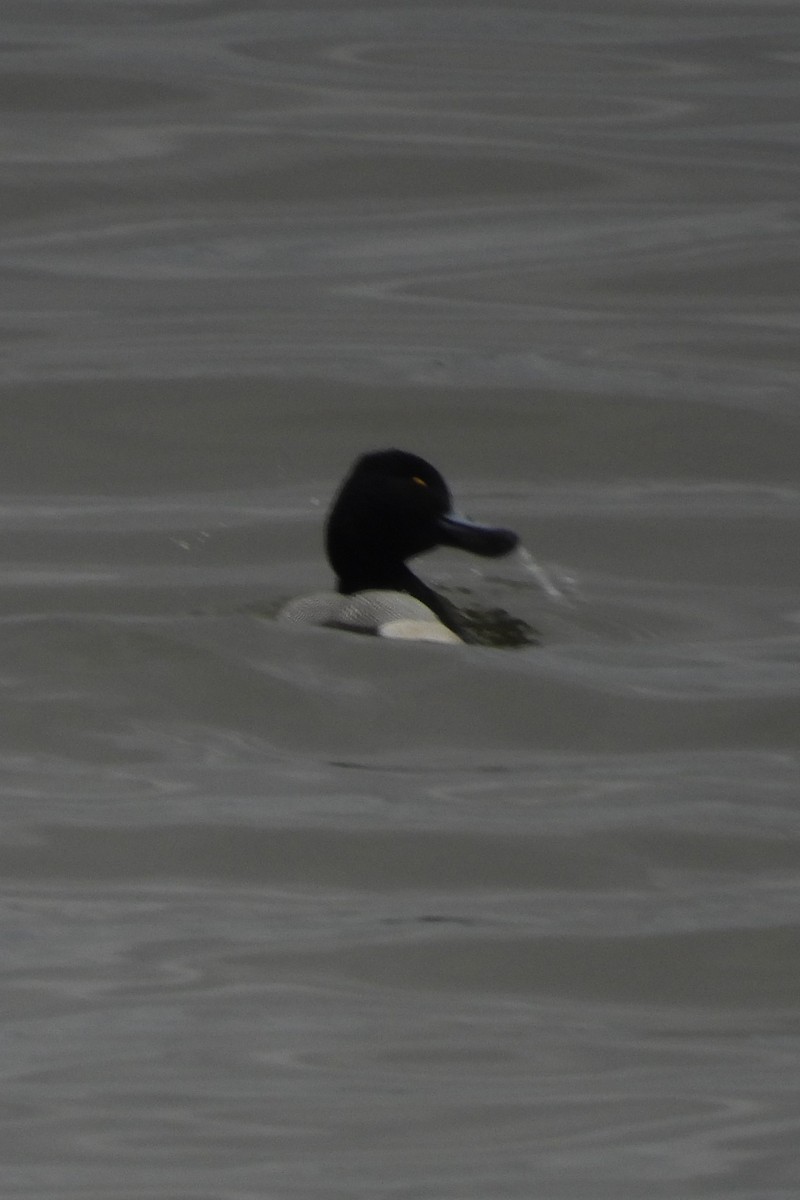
x=298, y=914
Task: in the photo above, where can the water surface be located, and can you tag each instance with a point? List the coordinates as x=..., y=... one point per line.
x=293, y=913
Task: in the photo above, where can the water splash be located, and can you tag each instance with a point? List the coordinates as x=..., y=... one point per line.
x=543, y=578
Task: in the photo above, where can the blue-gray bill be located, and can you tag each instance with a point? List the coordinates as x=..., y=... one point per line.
x=486, y=540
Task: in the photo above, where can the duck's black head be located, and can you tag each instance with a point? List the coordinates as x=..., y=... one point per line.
x=392, y=506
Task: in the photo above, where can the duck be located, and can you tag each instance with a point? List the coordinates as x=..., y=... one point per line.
x=392, y=506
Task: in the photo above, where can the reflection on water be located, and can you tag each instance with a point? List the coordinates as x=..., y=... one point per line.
x=292, y=913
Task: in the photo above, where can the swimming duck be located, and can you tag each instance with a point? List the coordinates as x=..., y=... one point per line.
x=392, y=506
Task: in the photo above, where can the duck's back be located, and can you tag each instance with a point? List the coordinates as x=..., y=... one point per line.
x=385, y=613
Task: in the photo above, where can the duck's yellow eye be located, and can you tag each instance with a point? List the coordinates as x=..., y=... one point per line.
x=416, y=479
